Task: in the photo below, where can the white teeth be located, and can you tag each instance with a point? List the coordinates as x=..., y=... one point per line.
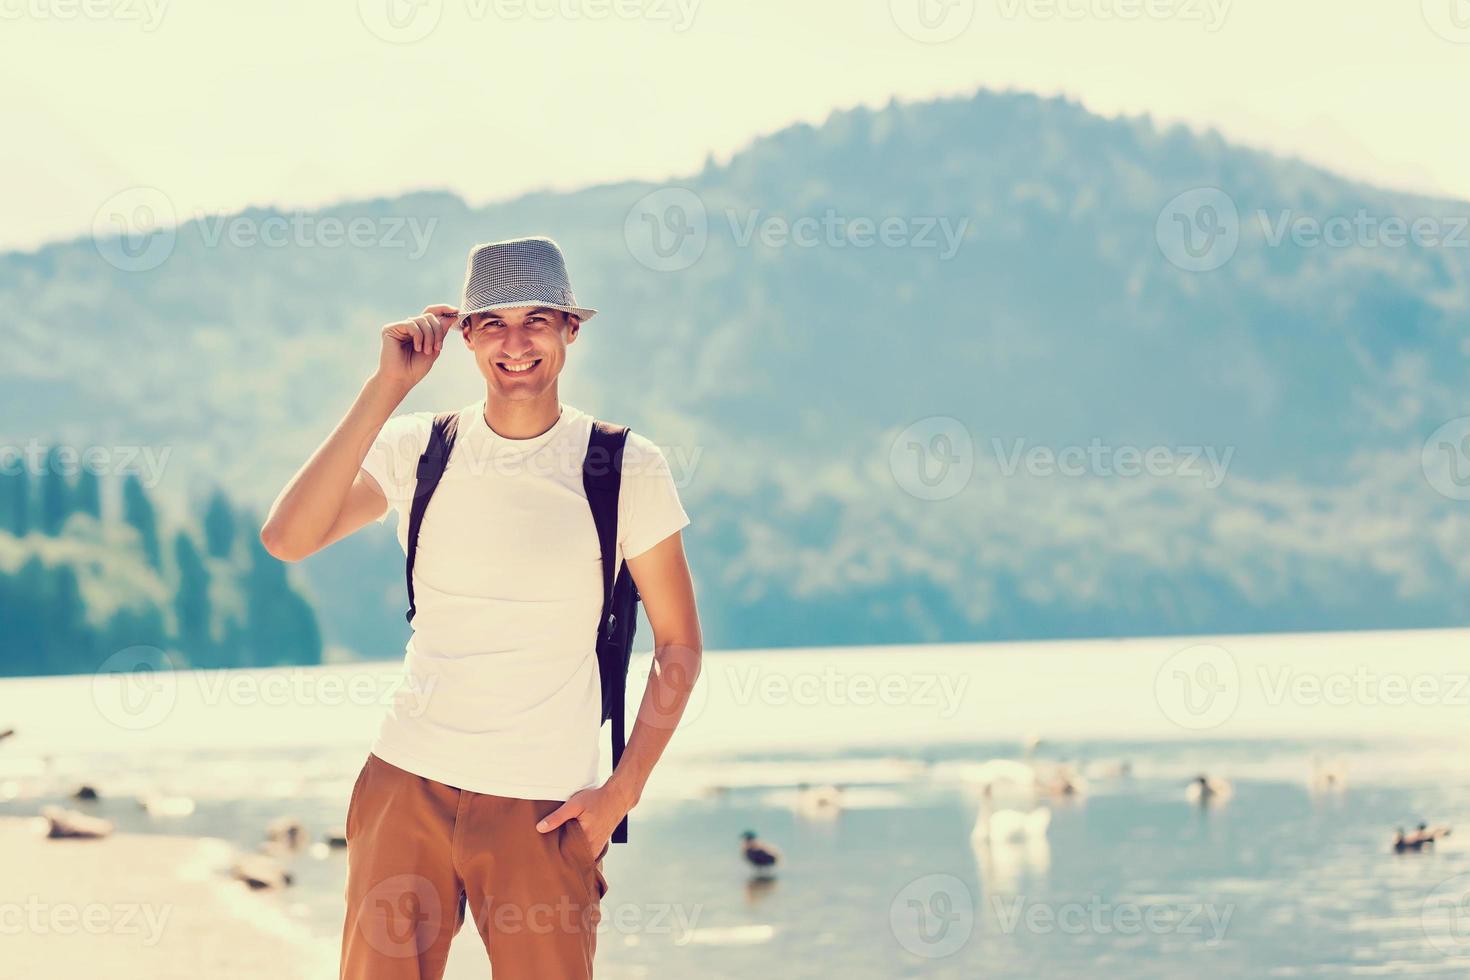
x=518, y=368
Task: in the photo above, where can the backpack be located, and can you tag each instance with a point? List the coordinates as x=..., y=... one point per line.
x=602, y=472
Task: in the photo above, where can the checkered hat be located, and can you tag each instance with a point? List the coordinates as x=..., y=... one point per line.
x=518, y=272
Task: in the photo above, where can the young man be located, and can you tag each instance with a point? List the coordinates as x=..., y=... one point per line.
x=482, y=790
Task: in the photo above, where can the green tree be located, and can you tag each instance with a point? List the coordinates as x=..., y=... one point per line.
x=280, y=625
x=88, y=498
x=15, y=501
x=219, y=526
x=138, y=511
x=191, y=603
x=57, y=498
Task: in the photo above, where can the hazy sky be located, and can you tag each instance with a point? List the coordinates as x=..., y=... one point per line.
x=295, y=103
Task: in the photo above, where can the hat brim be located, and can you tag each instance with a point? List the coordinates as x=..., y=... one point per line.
x=582, y=312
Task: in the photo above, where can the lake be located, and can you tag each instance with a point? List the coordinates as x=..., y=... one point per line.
x=1292, y=875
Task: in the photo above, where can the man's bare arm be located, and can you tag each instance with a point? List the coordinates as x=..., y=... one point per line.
x=662, y=576
x=330, y=496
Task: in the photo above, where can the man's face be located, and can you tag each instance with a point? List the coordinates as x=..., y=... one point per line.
x=520, y=351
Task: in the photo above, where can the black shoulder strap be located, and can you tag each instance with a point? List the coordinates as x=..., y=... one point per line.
x=431, y=468
x=602, y=477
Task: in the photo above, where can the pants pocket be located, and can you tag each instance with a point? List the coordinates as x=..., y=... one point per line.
x=352, y=800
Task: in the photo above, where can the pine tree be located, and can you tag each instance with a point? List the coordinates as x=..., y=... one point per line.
x=89, y=493
x=219, y=526
x=280, y=625
x=57, y=497
x=138, y=511
x=191, y=603
x=15, y=501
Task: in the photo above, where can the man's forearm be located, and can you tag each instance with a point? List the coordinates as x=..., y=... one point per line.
x=676, y=667
x=311, y=501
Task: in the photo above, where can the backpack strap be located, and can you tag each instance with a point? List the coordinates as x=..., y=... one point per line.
x=430, y=470
x=602, y=477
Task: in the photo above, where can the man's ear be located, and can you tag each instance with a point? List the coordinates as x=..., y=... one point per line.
x=575, y=323
x=464, y=331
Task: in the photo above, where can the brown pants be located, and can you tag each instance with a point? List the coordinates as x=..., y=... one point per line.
x=419, y=851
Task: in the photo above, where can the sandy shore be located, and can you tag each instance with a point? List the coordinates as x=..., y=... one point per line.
x=140, y=906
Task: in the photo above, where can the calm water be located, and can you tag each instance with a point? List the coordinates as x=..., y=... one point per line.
x=1130, y=877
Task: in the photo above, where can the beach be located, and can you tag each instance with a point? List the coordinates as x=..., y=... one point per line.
x=142, y=905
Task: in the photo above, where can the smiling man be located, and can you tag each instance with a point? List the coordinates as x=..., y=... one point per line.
x=482, y=787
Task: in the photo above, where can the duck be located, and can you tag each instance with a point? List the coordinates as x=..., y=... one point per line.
x=757, y=853
x=1422, y=837
x=1205, y=790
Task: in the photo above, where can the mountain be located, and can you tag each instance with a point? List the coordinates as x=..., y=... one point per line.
x=860, y=344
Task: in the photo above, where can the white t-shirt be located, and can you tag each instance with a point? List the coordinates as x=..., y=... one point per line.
x=501, y=692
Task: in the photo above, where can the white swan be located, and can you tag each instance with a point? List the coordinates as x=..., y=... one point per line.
x=1009, y=826
x=818, y=801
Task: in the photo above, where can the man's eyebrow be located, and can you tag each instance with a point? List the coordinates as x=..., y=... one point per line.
x=495, y=314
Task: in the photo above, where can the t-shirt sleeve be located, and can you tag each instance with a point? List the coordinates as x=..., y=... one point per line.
x=649, y=509
x=393, y=458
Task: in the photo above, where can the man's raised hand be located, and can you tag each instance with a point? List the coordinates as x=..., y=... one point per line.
x=411, y=346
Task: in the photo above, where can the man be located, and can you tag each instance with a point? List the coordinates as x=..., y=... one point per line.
x=481, y=789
